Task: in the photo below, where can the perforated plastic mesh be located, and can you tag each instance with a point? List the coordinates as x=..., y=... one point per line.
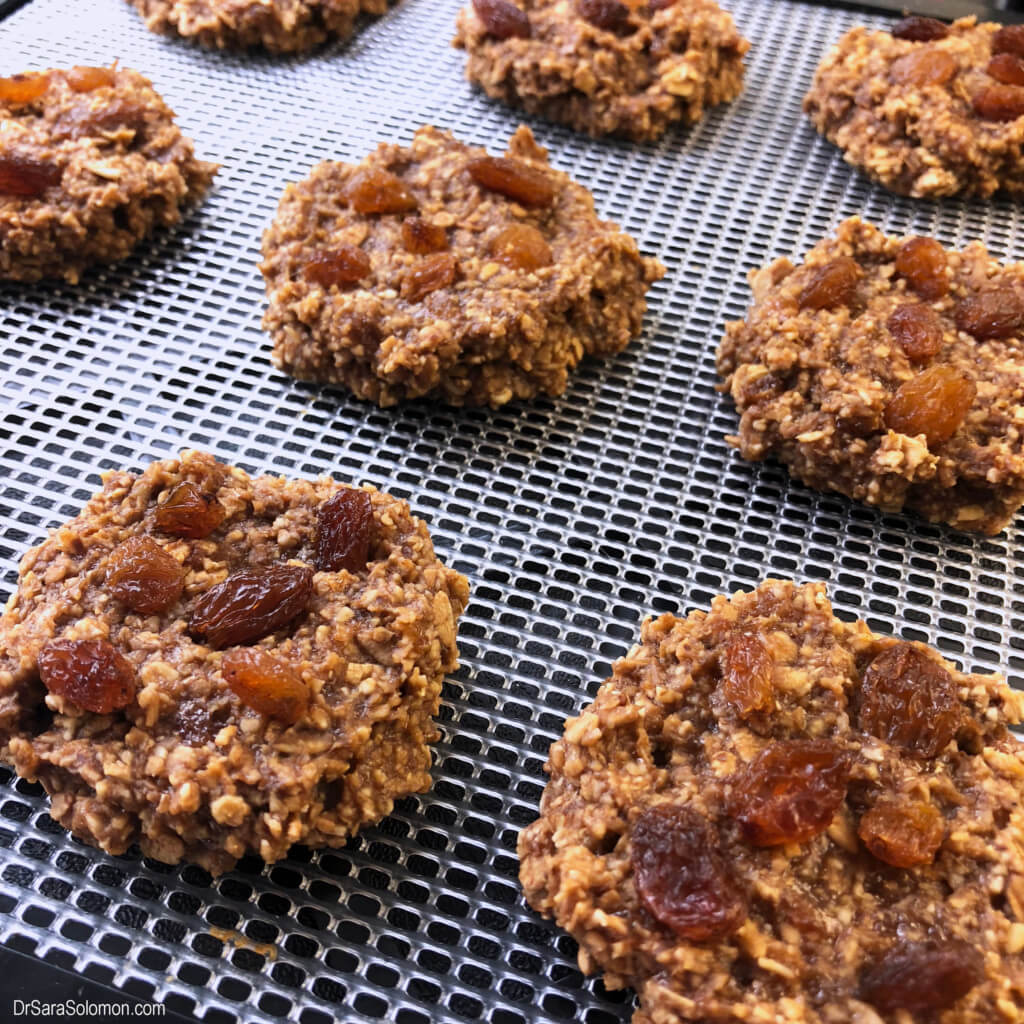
x=573, y=518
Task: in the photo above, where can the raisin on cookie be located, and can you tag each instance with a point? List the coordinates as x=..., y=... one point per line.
x=209, y=664
x=927, y=109
x=437, y=270
x=890, y=370
x=604, y=67
x=277, y=26
x=768, y=814
x=91, y=162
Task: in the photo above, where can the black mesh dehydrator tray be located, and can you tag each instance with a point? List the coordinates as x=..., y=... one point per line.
x=573, y=518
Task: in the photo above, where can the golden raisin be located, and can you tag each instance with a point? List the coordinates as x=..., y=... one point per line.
x=143, y=576
x=909, y=700
x=922, y=261
x=86, y=79
x=340, y=267
x=933, y=403
x=187, y=512
x=903, y=831
x=747, y=674
x=1009, y=39
x=831, y=285
x=921, y=977
x=422, y=237
x=1007, y=68
x=996, y=313
x=926, y=66
x=610, y=15
x=251, y=604
x=428, y=275
x=502, y=19
x=344, y=525
x=265, y=683
x=999, y=102
x=513, y=178
x=682, y=878
x=521, y=247
x=790, y=792
x=91, y=673
x=919, y=29
x=375, y=190
x=917, y=330
x=24, y=88
x=25, y=176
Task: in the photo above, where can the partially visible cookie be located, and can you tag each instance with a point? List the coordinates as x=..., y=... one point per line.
x=770, y=815
x=208, y=664
x=890, y=370
x=91, y=162
x=927, y=109
x=437, y=270
x=278, y=26
x=604, y=67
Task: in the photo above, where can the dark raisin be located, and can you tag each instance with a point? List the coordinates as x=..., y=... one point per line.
x=188, y=512
x=1007, y=68
x=1009, y=39
x=513, y=178
x=917, y=330
x=502, y=19
x=919, y=29
x=611, y=15
x=922, y=261
x=902, y=831
x=340, y=267
x=996, y=313
x=427, y=275
x=790, y=792
x=909, y=700
x=144, y=576
x=747, y=674
x=24, y=88
x=933, y=403
x=682, y=877
x=344, y=529
x=26, y=176
x=251, y=603
x=999, y=102
x=831, y=285
x=265, y=683
x=375, y=190
x=922, y=976
x=421, y=237
x=89, y=673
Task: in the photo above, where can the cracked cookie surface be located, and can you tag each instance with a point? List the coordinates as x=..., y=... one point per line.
x=768, y=814
x=278, y=26
x=91, y=162
x=604, y=67
x=208, y=663
x=933, y=110
x=890, y=370
x=436, y=270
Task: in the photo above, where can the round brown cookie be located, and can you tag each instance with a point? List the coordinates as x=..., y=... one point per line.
x=770, y=815
x=437, y=270
x=602, y=66
x=91, y=162
x=890, y=370
x=927, y=109
x=207, y=663
x=279, y=26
